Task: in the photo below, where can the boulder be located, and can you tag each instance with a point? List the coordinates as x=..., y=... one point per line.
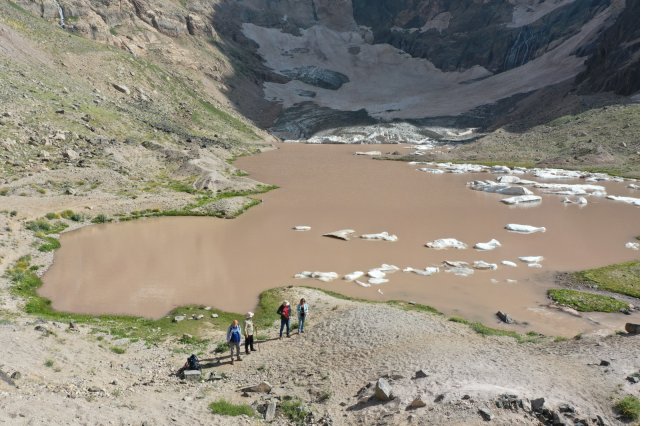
x=270, y=411
x=192, y=375
x=121, y=88
x=537, y=404
x=71, y=154
x=17, y=376
x=420, y=374
x=262, y=387
x=485, y=413
x=632, y=328
x=417, y=403
x=383, y=390
x=504, y=317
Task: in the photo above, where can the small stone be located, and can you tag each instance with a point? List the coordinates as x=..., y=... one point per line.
x=604, y=363
x=208, y=308
x=71, y=154
x=186, y=336
x=70, y=191
x=96, y=389
x=417, y=403
x=466, y=397
x=383, y=390
x=486, y=414
x=15, y=375
x=566, y=408
x=270, y=411
x=178, y=318
x=631, y=379
x=60, y=111
x=537, y=404
x=199, y=317
x=439, y=398
x=504, y=317
x=420, y=374
x=215, y=315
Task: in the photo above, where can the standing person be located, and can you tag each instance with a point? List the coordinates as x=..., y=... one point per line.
x=234, y=337
x=303, y=310
x=284, y=312
x=249, y=333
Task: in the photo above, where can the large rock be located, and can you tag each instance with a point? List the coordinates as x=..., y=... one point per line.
x=486, y=414
x=383, y=390
x=262, y=387
x=632, y=328
x=192, y=375
x=537, y=404
x=270, y=411
x=121, y=88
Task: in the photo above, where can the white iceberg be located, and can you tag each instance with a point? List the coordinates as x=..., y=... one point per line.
x=488, y=246
x=430, y=270
x=381, y=236
x=629, y=200
x=632, y=245
x=302, y=228
x=531, y=259
x=353, y=276
x=377, y=281
x=480, y=264
x=508, y=179
x=524, y=229
x=498, y=188
x=509, y=263
x=511, y=281
x=432, y=171
x=342, y=234
x=522, y=199
x=444, y=243
x=362, y=284
x=535, y=265
x=370, y=153
x=321, y=276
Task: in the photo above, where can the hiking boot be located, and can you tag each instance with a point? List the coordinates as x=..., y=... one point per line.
x=253, y=350
x=239, y=359
x=247, y=352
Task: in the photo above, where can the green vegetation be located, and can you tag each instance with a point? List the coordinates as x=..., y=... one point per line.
x=586, y=302
x=295, y=411
x=69, y=214
x=117, y=350
x=101, y=218
x=4, y=192
x=50, y=244
x=530, y=337
x=49, y=363
x=622, y=278
x=629, y=407
x=46, y=227
x=225, y=408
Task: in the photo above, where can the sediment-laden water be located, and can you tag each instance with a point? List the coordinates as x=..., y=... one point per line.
x=149, y=266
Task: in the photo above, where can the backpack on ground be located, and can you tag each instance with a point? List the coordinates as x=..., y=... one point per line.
x=193, y=362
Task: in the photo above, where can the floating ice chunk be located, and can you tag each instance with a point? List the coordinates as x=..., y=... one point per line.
x=302, y=228
x=556, y=174
x=370, y=153
x=432, y=171
x=632, y=245
x=524, y=229
x=455, y=263
x=353, y=276
x=508, y=179
x=376, y=273
x=568, y=189
x=501, y=169
x=379, y=290
x=629, y=200
x=598, y=194
x=511, y=281
x=531, y=259
x=633, y=186
x=535, y=265
x=498, y=188
x=321, y=276
x=362, y=284
x=488, y=246
x=509, y=263
x=388, y=268
x=480, y=264
x=462, y=168
x=598, y=177
x=461, y=271
x=444, y=243
x=377, y=281
x=567, y=200
x=342, y=234
x=582, y=201
x=430, y=270
x=494, y=281
x=522, y=199
x=381, y=236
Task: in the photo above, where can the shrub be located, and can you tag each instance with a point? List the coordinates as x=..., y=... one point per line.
x=629, y=407
x=225, y=408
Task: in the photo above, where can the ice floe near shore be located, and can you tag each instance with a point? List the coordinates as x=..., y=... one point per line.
x=524, y=229
x=490, y=245
x=381, y=236
x=445, y=243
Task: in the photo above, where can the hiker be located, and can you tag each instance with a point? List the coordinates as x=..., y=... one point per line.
x=285, y=314
x=303, y=310
x=234, y=337
x=249, y=333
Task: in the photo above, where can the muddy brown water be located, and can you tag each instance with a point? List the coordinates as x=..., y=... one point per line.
x=147, y=267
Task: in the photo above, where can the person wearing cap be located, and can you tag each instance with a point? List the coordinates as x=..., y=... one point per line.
x=284, y=312
x=249, y=333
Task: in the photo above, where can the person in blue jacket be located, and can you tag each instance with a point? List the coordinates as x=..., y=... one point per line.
x=303, y=310
x=233, y=338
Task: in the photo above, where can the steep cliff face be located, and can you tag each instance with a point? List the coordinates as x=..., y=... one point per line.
x=300, y=66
